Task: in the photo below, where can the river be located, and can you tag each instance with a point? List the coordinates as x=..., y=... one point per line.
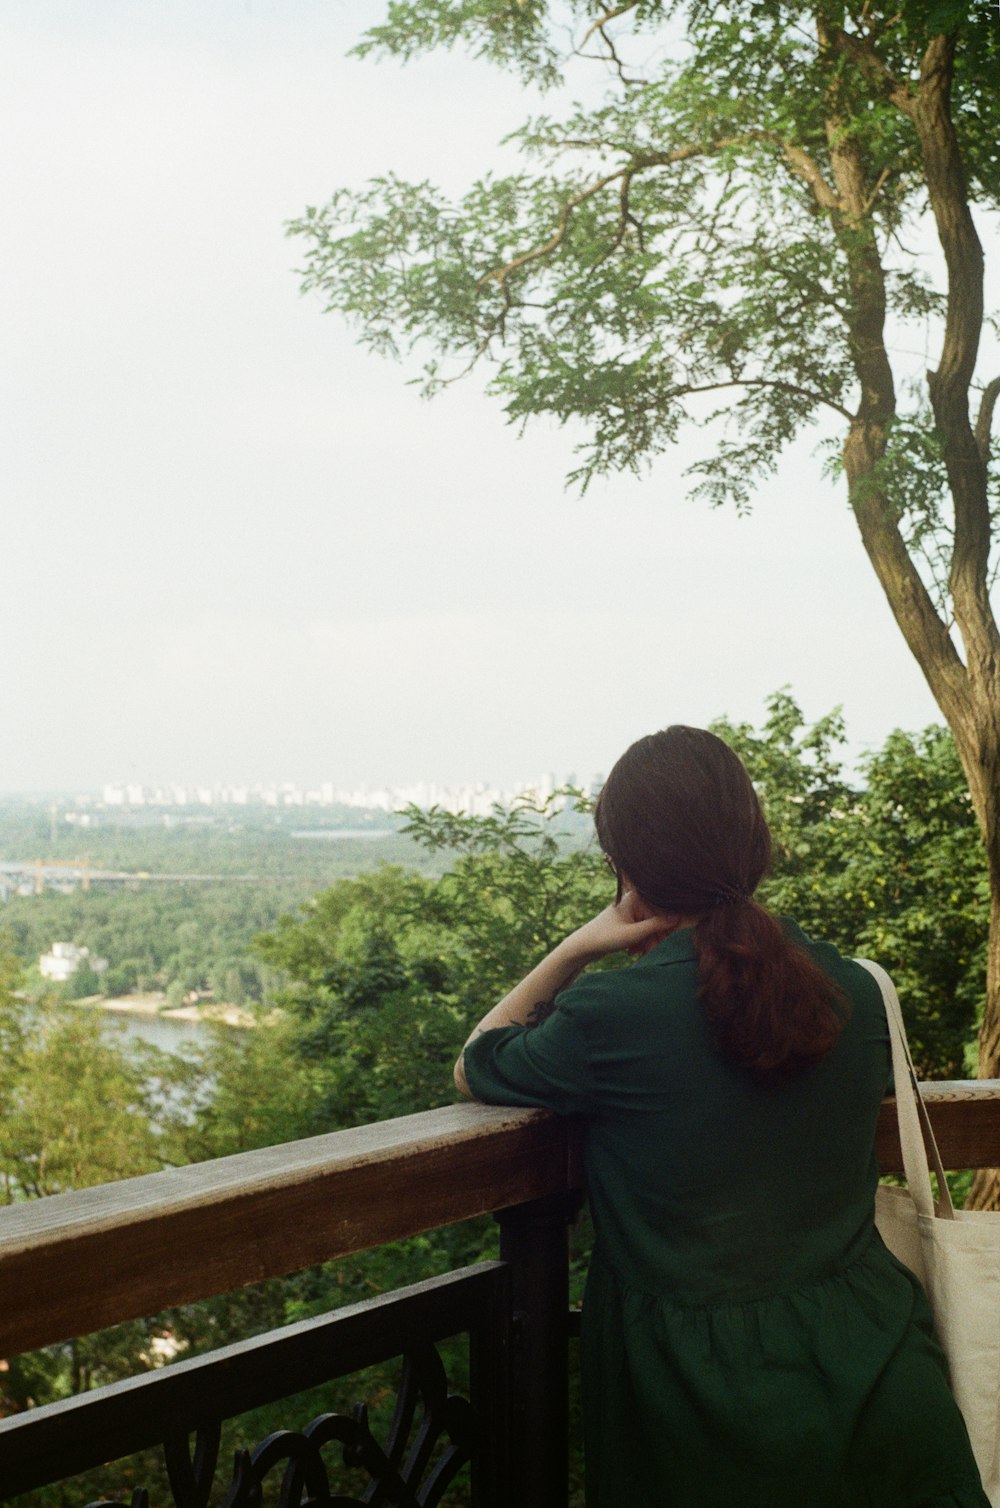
x=180, y=1037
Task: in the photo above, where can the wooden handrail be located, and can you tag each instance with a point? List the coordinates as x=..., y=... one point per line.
x=78, y=1262
x=965, y=1114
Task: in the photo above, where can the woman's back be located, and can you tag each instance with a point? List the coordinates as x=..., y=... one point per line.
x=705, y=1182
x=747, y=1337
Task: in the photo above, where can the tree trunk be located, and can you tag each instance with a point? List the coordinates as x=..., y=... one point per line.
x=966, y=455
x=985, y=1193
x=969, y=698
x=968, y=693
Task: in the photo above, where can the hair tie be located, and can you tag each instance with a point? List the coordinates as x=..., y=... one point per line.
x=730, y=896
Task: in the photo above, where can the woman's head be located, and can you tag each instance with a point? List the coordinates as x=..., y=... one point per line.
x=679, y=816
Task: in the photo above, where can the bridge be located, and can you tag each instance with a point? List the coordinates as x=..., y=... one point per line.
x=44, y=874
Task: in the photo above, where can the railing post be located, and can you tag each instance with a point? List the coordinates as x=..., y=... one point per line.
x=533, y=1239
x=489, y=1391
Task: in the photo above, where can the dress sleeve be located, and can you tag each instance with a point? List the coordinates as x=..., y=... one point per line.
x=542, y=1067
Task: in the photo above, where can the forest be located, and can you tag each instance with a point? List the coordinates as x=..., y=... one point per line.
x=176, y=936
x=365, y=988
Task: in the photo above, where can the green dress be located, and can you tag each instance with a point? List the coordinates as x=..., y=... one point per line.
x=748, y=1342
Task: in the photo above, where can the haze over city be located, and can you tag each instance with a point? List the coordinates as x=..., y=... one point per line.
x=240, y=548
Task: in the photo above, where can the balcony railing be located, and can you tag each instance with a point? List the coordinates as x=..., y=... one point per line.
x=79, y=1262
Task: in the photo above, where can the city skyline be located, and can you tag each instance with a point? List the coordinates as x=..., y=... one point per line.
x=476, y=796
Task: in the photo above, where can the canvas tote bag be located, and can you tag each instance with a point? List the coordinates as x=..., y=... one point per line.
x=955, y=1254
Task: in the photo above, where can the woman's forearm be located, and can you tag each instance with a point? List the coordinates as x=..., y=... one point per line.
x=627, y=924
x=556, y=970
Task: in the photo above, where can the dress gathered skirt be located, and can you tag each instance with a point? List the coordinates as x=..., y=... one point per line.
x=747, y=1340
x=830, y=1395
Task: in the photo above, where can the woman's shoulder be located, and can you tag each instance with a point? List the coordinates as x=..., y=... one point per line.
x=858, y=984
x=611, y=999
x=862, y=1054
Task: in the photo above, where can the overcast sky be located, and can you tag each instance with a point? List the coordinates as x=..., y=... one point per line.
x=236, y=547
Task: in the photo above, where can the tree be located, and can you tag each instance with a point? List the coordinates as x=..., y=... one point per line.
x=78, y=1113
x=74, y=1112
x=725, y=238
x=85, y=981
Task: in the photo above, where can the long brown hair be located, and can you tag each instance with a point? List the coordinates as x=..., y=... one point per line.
x=680, y=818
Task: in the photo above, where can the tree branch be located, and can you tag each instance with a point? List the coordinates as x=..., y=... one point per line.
x=602, y=21
x=772, y=382
x=865, y=445
x=880, y=183
x=922, y=626
x=949, y=385
x=806, y=168
x=802, y=163
x=863, y=55
x=500, y=275
x=614, y=59
x=984, y=420
x=625, y=219
x=928, y=106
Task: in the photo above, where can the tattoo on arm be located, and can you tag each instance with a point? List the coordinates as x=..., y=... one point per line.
x=540, y=1012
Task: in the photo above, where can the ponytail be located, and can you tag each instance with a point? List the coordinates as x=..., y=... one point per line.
x=773, y=1011
x=679, y=817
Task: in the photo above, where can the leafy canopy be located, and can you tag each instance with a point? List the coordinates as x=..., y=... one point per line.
x=674, y=252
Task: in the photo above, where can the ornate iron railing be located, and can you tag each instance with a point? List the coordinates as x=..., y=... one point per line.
x=78, y=1262
x=432, y=1437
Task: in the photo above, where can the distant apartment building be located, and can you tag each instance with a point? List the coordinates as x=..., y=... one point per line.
x=477, y=798
x=63, y=959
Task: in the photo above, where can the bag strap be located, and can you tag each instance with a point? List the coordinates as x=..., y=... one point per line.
x=916, y=1135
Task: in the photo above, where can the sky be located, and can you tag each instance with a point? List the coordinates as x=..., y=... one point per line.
x=237, y=547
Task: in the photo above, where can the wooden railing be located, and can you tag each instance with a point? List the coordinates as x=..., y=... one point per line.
x=79, y=1262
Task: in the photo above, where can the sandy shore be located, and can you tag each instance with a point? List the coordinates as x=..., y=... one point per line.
x=229, y=1015
x=128, y=1005
x=153, y=1003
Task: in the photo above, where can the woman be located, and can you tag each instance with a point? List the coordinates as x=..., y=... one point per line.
x=748, y=1342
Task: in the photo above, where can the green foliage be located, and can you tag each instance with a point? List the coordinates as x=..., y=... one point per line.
x=74, y=1111
x=77, y=1112
x=663, y=257
x=920, y=871
x=521, y=880
x=12, y=1032
x=893, y=870
x=263, y=1091
x=180, y=936
x=388, y=971
x=243, y=843
x=85, y=981
x=499, y=30
x=192, y=936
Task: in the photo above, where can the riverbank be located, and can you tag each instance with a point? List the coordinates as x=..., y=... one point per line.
x=152, y=1004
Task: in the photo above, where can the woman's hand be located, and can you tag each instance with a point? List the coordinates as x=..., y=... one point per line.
x=628, y=925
